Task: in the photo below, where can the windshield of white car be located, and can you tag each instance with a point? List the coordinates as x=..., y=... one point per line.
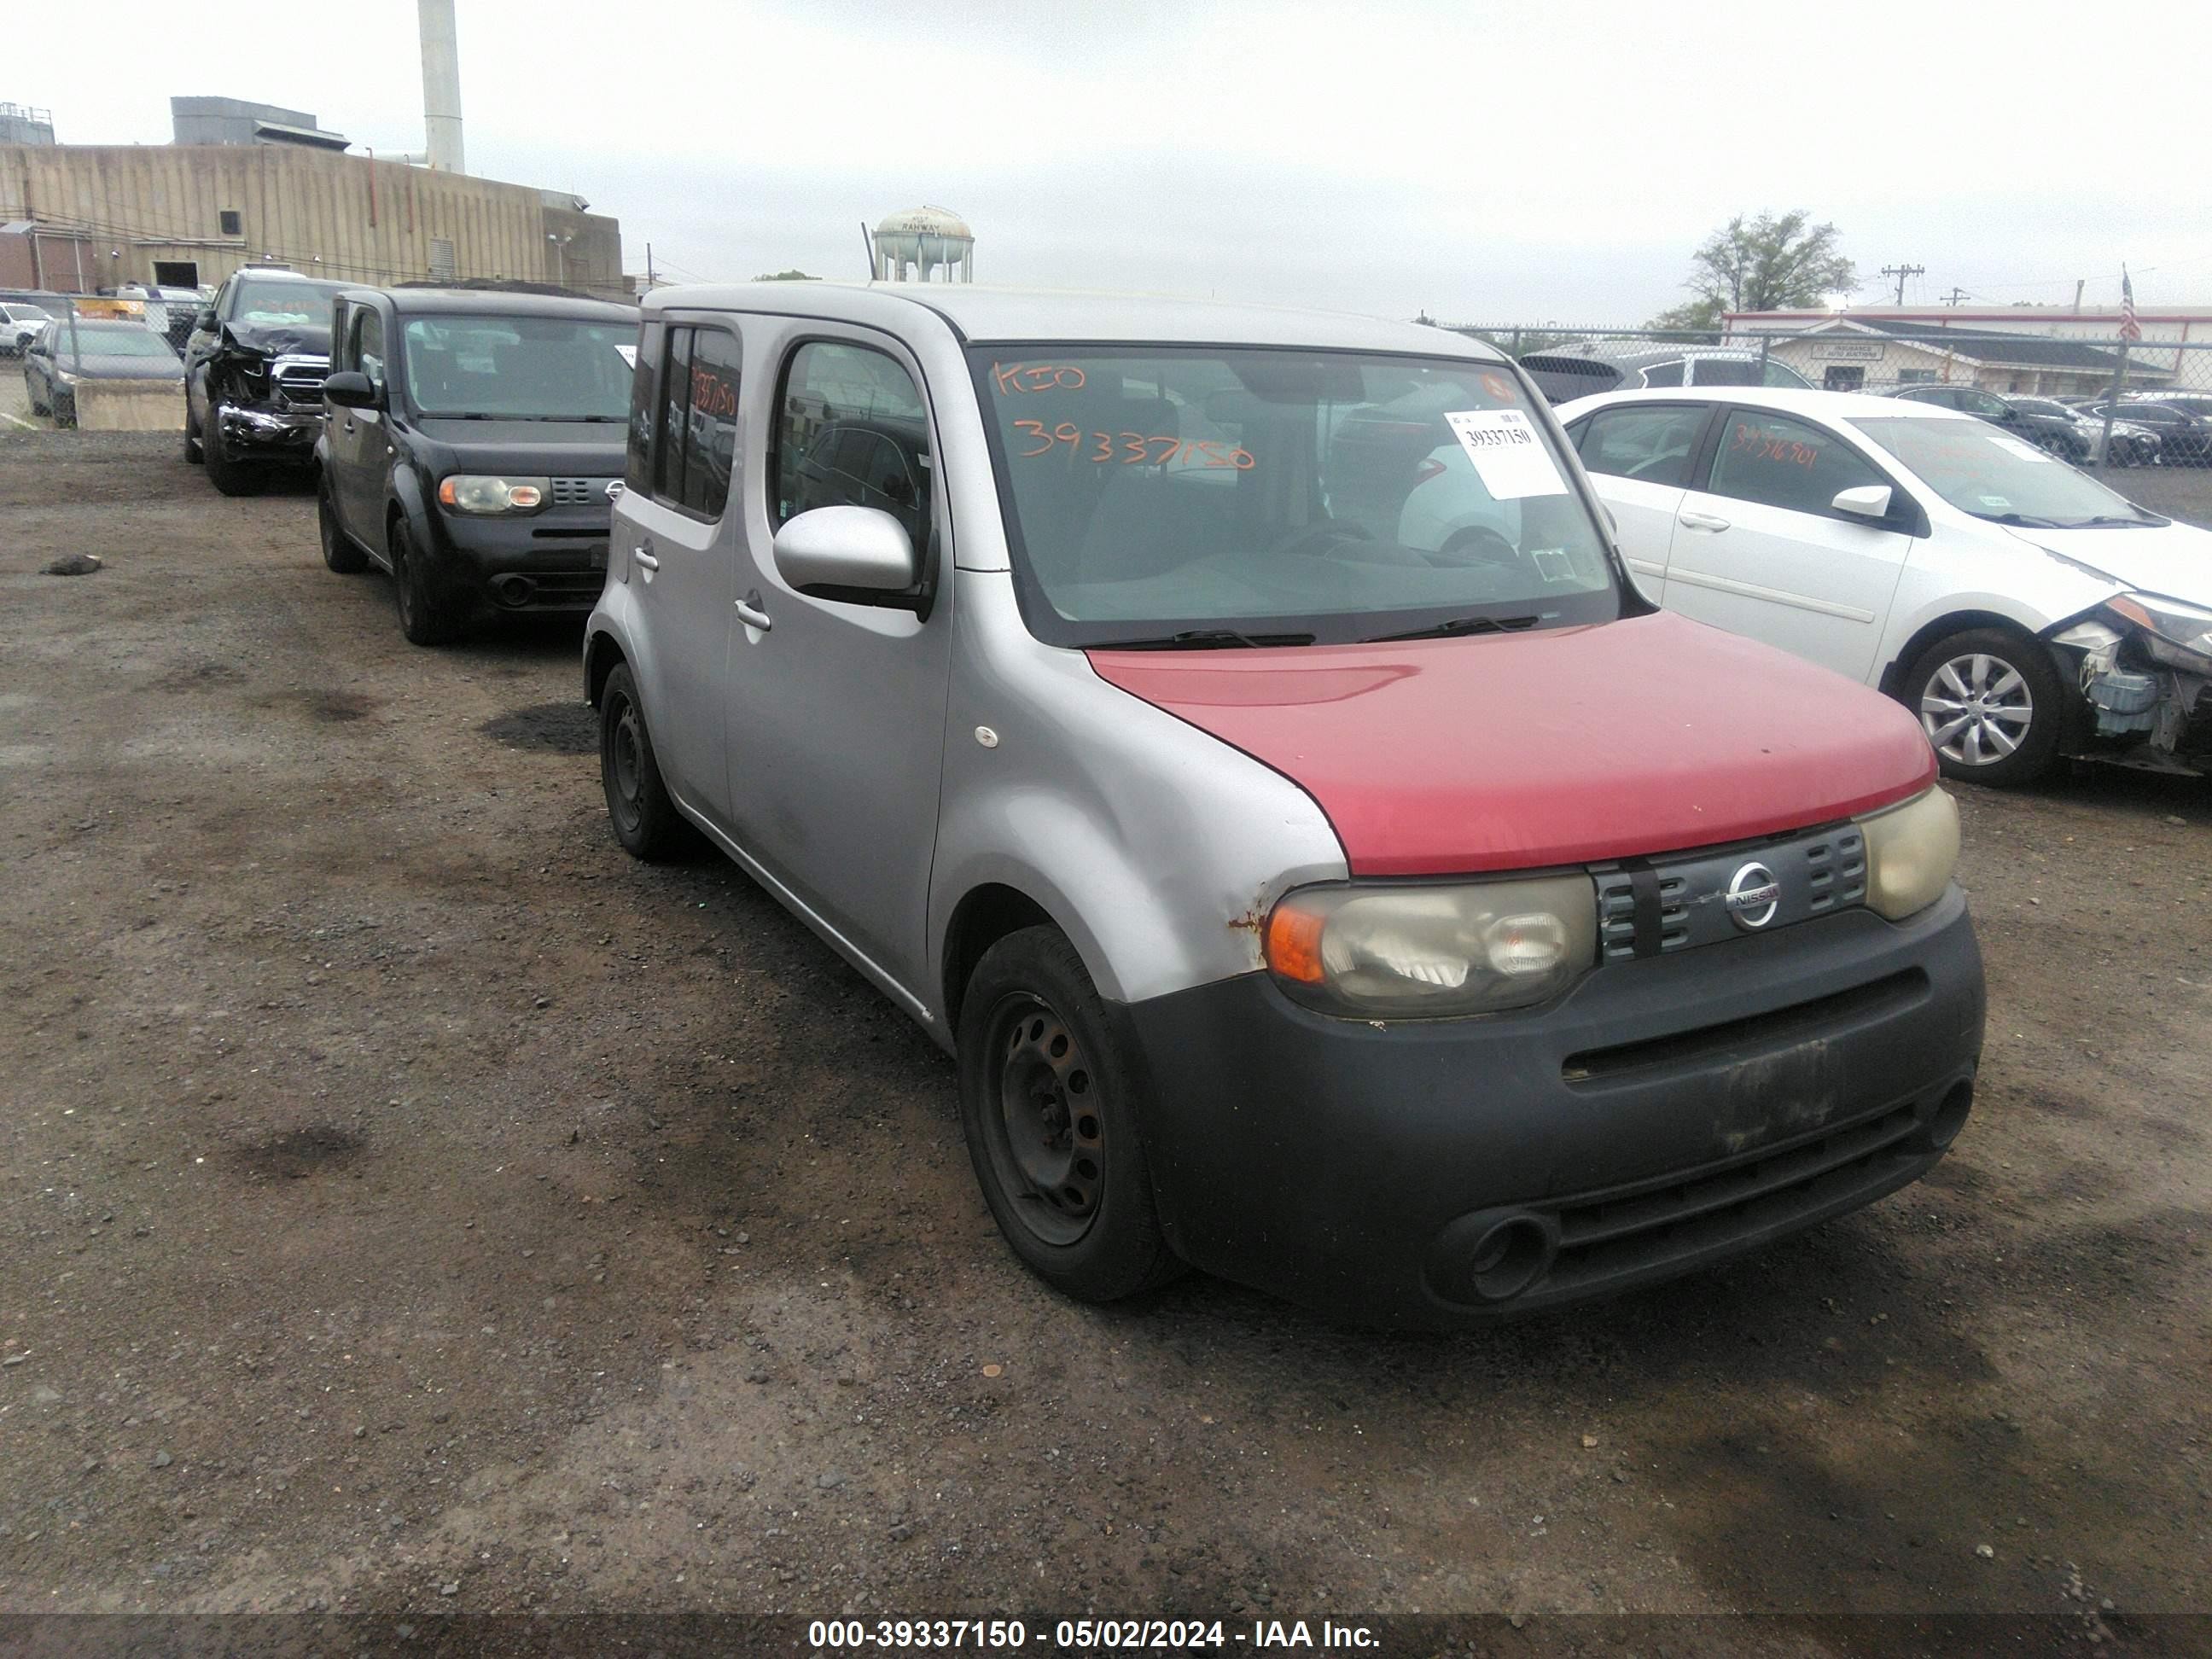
x=519, y=368
x=1186, y=496
x=1995, y=476
x=275, y=304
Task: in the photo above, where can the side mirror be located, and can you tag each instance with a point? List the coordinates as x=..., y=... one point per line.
x=1867, y=501
x=861, y=554
x=351, y=389
x=203, y=320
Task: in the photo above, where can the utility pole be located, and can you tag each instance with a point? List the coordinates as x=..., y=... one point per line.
x=648, y=268
x=1955, y=297
x=1901, y=272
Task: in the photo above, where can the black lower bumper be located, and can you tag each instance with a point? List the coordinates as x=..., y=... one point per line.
x=277, y=435
x=550, y=561
x=1665, y=1113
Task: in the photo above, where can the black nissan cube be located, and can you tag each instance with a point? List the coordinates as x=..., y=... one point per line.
x=472, y=446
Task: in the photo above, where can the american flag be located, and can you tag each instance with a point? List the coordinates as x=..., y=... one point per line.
x=2129, y=328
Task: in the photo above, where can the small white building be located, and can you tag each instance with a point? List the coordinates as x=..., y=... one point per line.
x=1851, y=353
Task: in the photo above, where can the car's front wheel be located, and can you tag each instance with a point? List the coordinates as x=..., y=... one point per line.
x=230, y=478
x=425, y=617
x=1990, y=702
x=1047, y=1101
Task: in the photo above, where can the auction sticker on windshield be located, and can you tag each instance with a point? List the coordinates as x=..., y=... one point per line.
x=2026, y=451
x=1506, y=450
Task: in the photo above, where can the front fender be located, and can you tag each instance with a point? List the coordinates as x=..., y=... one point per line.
x=413, y=500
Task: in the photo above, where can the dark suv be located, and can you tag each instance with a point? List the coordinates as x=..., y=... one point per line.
x=2061, y=435
x=473, y=448
x=254, y=364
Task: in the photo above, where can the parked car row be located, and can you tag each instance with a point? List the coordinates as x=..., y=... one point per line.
x=2071, y=434
x=1280, y=756
x=63, y=356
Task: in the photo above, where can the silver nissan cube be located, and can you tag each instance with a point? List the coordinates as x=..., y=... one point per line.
x=1232, y=734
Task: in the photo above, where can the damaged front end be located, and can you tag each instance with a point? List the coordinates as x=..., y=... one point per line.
x=265, y=391
x=2143, y=662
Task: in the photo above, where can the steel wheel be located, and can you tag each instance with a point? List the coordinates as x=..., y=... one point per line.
x=1047, y=1137
x=625, y=766
x=1977, y=710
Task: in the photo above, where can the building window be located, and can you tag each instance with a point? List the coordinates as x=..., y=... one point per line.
x=231, y=221
x=1915, y=376
x=441, y=260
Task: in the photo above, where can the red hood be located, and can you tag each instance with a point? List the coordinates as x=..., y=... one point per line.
x=1517, y=751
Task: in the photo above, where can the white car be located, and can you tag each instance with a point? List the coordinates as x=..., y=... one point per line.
x=2022, y=607
x=19, y=326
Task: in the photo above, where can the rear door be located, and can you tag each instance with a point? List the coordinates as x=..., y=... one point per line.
x=1758, y=548
x=671, y=543
x=1638, y=456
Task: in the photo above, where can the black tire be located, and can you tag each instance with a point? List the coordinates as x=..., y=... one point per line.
x=339, y=553
x=31, y=395
x=65, y=408
x=646, y=820
x=192, y=456
x=1976, y=690
x=230, y=478
x=426, y=618
x=1048, y=1101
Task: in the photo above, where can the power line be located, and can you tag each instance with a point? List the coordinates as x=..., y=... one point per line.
x=1901, y=272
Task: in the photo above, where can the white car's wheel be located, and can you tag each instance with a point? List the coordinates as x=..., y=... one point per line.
x=1989, y=701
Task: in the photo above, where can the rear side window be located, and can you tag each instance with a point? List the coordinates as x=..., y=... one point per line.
x=369, y=346
x=1663, y=375
x=644, y=405
x=683, y=416
x=851, y=430
x=1784, y=463
x=1652, y=445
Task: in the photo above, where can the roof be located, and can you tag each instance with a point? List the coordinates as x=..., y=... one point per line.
x=1783, y=400
x=1984, y=346
x=985, y=315
x=496, y=302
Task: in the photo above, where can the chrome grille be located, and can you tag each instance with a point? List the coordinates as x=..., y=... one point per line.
x=1819, y=872
x=299, y=381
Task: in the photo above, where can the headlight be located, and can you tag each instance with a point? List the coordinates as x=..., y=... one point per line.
x=64, y=375
x=1912, y=852
x=1433, y=952
x=2175, y=632
x=468, y=493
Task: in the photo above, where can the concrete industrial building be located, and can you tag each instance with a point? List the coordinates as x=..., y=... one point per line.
x=76, y=218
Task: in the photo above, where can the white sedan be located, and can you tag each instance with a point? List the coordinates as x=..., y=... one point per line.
x=2021, y=607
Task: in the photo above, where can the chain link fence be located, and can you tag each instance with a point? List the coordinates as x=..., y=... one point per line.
x=2092, y=401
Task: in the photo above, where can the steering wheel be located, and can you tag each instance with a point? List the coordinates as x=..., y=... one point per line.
x=1477, y=545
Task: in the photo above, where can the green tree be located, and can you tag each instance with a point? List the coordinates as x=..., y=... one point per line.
x=1765, y=263
x=795, y=275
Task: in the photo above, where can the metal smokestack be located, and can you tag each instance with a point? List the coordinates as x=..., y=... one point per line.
x=441, y=86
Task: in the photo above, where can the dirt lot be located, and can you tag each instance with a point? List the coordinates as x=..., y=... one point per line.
x=408, y=1202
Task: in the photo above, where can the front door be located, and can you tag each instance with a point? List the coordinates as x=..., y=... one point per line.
x=678, y=543
x=360, y=446
x=1761, y=549
x=837, y=711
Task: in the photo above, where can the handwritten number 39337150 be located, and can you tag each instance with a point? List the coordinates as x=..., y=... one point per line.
x=1131, y=448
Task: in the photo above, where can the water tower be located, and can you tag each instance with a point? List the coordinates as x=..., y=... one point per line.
x=923, y=240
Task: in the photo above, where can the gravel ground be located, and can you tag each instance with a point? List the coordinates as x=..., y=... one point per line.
x=408, y=1202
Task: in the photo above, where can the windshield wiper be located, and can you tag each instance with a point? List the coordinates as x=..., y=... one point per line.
x=2105, y=518
x=1456, y=625
x=2023, y=520
x=1201, y=639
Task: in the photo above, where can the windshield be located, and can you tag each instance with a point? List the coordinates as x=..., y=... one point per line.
x=1282, y=495
x=302, y=304
x=114, y=340
x=519, y=368
x=1995, y=476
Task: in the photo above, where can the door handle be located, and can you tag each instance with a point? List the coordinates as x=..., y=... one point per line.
x=750, y=614
x=1690, y=520
x=645, y=559
x=348, y=428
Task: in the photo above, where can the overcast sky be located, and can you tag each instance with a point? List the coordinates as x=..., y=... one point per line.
x=1524, y=160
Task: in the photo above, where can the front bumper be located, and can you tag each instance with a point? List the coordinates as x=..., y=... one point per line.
x=1667, y=1113
x=552, y=561
x=277, y=433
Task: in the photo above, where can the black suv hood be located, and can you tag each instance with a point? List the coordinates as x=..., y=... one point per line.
x=278, y=339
